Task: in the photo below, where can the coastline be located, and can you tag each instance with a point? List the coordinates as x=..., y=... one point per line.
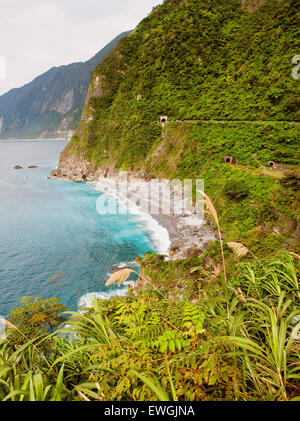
x=173, y=236
x=177, y=236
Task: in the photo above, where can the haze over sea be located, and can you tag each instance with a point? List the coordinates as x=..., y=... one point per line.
x=53, y=243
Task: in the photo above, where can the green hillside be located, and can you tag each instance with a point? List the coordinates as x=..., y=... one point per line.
x=221, y=326
x=222, y=73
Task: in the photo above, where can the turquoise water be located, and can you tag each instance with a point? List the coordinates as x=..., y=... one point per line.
x=53, y=243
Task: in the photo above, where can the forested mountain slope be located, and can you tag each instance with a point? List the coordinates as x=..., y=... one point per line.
x=50, y=105
x=222, y=326
x=222, y=72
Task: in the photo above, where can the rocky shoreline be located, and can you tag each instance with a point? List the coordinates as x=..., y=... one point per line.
x=189, y=233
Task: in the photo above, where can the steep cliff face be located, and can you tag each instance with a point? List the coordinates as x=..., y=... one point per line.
x=51, y=105
x=79, y=169
x=191, y=60
x=221, y=72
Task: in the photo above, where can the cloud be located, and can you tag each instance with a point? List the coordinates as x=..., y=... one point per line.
x=35, y=35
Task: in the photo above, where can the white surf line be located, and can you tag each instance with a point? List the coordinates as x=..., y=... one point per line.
x=159, y=235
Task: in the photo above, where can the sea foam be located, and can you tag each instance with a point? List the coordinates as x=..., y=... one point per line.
x=125, y=195
x=86, y=301
x=158, y=234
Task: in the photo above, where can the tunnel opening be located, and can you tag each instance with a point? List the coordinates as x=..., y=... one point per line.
x=229, y=159
x=272, y=164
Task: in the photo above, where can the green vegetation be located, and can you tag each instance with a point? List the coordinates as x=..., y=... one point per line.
x=36, y=317
x=264, y=202
x=216, y=327
x=194, y=60
x=234, y=341
x=187, y=332
x=226, y=73
x=236, y=189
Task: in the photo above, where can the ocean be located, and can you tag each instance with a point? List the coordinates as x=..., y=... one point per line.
x=53, y=242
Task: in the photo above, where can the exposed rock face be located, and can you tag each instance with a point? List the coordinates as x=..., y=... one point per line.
x=193, y=252
x=252, y=5
x=107, y=131
x=78, y=169
x=66, y=102
x=75, y=169
x=50, y=106
x=293, y=242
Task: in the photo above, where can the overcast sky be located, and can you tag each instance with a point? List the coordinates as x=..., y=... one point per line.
x=38, y=34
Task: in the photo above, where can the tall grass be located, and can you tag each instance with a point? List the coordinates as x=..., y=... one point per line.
x=269, y=347
x=209, y=204
x=107, y=351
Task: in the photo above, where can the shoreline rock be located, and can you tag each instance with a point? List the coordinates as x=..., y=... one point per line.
x=189, y=234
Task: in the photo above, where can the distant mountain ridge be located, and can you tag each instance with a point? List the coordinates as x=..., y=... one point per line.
x=50, y=106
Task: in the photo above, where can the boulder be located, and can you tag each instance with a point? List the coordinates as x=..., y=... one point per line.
x=32, y=166
x=18, y=167
x=239, y=249
x=173, y=248
x=54, y=173
x=193, y=252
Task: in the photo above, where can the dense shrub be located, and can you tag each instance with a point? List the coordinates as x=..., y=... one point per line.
x=291, y=180
x=236, y=189
x=235, y=341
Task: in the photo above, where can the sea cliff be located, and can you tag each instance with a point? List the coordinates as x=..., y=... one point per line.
x=203, y=90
